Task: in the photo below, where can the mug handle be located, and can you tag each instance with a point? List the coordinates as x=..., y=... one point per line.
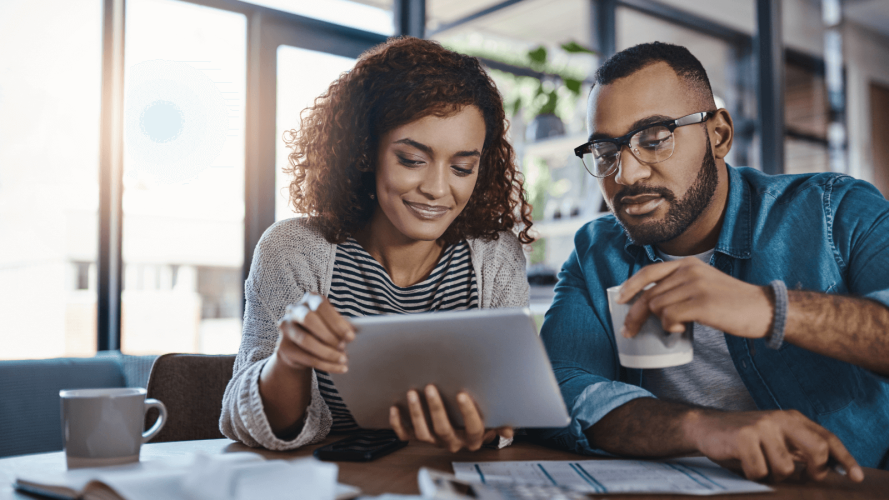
x=159, y=423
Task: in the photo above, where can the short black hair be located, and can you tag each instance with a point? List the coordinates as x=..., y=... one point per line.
x=631, y=60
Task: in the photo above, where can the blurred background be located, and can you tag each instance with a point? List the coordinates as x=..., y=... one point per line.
x=141, y=151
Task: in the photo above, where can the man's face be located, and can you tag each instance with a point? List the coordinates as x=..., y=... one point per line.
x=654, y=203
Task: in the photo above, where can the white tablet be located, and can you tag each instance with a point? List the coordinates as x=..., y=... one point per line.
x=495, y=355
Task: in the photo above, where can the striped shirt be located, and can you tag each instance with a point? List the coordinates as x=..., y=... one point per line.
x=360, y=286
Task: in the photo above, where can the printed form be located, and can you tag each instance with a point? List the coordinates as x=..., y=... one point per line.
x=689, y=476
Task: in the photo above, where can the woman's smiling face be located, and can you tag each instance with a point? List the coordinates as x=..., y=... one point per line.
x=427, y=170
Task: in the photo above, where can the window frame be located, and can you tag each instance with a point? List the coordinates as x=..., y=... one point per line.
x=267, y=29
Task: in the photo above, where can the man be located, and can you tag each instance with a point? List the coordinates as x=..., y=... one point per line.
x=779, y=378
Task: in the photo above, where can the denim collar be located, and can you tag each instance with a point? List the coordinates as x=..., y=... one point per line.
x=734, y=237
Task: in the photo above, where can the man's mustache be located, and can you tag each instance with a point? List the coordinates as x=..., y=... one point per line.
x=636, y=190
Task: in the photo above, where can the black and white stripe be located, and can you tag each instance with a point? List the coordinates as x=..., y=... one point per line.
x=360, y=286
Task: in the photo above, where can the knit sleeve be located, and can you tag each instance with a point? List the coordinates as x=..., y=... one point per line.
x=507, y=270
x=274, y=282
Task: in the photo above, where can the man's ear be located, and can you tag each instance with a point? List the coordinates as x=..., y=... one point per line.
x=722, y=131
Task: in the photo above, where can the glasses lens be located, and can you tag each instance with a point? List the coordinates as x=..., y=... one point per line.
x=652, y=145
x=601, y=159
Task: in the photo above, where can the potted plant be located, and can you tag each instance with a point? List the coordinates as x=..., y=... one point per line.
x=545, y=122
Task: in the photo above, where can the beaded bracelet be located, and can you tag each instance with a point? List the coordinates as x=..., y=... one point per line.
x=776, y=337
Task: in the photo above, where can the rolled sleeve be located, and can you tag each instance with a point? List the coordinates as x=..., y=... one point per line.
x=597, y=400
x=578, y=339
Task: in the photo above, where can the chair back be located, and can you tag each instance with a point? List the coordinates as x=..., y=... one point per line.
x=191, y=386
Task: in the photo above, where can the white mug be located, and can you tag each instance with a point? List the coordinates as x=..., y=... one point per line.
x=104, y=426
x=652, y=347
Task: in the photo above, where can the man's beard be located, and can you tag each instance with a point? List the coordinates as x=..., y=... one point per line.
x=682, y=213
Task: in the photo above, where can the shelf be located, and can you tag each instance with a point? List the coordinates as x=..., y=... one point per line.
x=562, y=145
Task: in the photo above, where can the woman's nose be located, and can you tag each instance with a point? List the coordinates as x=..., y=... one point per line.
x=435, y=182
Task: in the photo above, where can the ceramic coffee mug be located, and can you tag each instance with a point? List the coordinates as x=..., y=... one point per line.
x=104, y=426
x=652, y=347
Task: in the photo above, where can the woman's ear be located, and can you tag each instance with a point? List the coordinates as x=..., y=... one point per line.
x=722, y=133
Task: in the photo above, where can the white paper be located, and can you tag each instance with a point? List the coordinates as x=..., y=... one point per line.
x=689, y=476
x=230, y=476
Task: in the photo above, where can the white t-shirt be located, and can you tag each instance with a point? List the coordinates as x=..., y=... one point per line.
x=710, y=380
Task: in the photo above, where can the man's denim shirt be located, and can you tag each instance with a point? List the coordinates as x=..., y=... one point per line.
x=821, y=232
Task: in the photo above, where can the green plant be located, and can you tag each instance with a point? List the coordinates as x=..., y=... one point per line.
x=550, y=98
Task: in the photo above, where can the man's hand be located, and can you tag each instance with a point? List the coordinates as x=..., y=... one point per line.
x=768, y=444
x=761, y=444
x=688, y=290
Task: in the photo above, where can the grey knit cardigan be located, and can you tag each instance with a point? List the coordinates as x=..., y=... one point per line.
x=293, y=258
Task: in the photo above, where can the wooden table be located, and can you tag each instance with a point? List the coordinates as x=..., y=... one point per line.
x=397, y=472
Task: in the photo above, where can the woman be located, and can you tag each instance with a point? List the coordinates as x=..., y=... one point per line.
x=412, y=196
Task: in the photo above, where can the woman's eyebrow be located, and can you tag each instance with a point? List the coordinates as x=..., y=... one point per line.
x=474, y=153
x=410, y=142
x=428, y=150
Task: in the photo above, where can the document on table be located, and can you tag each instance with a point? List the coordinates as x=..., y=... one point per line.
x=688, y=476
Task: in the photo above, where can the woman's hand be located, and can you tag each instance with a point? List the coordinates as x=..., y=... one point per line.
x=442, y=433
x=314, y=335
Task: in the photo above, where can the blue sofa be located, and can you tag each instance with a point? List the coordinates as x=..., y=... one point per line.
x=30, y=415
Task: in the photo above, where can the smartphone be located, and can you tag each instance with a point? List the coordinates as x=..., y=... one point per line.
x=362, y=447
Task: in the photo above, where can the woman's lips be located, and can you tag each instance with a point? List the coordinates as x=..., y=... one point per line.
x=641, y=204
x=426, y=212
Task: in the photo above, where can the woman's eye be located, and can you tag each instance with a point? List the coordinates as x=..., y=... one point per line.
x=462, y=172
x=408, y=162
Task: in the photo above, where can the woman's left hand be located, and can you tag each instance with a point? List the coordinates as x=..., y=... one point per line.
x=442, y=433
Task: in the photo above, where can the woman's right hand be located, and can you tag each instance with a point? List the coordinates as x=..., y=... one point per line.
x=314, y=335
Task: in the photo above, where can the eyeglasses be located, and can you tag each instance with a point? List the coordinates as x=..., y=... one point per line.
x=652, y=143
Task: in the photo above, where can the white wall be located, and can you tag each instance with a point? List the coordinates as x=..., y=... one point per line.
x=867, y=60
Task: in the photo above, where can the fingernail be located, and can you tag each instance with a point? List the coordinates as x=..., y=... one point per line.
x=462, y=397
x=341, y=345
x=624, y=332
x=343, y=358
x=430, y=391
x=345, y=369
x=857, y=474
x=350, y=335
x=412, y=396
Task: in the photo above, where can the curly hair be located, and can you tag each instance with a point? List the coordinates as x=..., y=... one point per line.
x=334, y=152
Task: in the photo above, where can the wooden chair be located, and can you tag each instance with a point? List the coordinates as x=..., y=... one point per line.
x=191, y=386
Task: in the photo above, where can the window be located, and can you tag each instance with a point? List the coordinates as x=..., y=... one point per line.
x=368, y=15
x=297, y=89
x=183, y=200
x=49, y=163
x=806, y=116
